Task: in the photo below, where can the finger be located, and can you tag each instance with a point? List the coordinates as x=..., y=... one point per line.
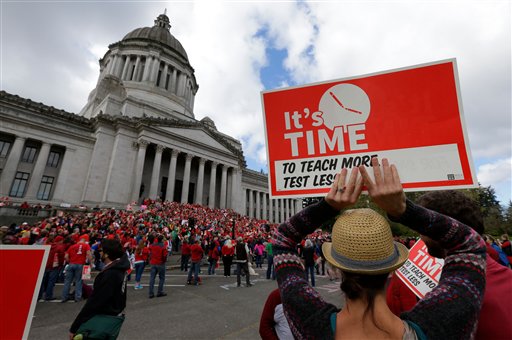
x=395, y=175
x=352, y=180
x=358, y=189
x=334, y=186
x=388, y=177
x=342, y=178
x=366, y=178
x=376, y=171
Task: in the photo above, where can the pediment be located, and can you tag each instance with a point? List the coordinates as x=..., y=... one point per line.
x=196, y=135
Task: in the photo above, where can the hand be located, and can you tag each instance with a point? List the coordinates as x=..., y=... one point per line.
x=387, y=191
x=344, y=195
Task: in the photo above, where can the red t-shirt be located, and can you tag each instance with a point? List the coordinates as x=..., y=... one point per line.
x=495, y=318
x=78, y=253
x=197, y=252
x=158, y=254
x=143, y=256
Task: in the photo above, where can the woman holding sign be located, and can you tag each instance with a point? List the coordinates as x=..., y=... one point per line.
x=362, y=247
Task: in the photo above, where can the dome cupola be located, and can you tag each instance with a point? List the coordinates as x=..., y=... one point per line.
x=146, y=73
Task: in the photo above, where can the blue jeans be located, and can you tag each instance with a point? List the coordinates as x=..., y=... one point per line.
x=258, y=261
x=194, y=268
x=160, y=269
x=211, y=266
x=139, y=269
x=310, y=270
x=73, y=274
x=270, y=268
x=49, y=280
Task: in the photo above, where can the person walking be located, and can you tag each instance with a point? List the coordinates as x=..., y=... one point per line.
x=242, y=262
x=76, y=256
x=141, y=256
x=158, y=258
x=308, y=254
x=270, y=260
x=196, y=252
x=227, y=256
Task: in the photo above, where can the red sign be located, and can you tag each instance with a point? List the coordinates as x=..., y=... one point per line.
x=421, y=272
x=22, y=273
x=412, y=116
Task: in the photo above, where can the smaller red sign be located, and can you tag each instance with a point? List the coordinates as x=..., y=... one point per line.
x=421, y=272
x=22, y=273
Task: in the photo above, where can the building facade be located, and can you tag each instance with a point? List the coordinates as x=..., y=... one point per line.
x=135, y=138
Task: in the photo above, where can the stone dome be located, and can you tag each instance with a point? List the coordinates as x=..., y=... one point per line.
x=159, y=33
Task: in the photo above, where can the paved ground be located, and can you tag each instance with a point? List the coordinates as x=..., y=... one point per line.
x=217, y=309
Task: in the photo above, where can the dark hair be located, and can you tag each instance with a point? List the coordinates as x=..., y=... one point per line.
x=358, y=286
x=456, y=205
x=112, y=248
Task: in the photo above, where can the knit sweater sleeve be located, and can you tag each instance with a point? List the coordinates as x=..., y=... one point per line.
x=307, y=313
x=451, y=310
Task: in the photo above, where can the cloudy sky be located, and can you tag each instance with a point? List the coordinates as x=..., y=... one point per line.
x=50, y=52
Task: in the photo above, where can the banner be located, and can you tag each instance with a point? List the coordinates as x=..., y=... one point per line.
x=412, y=116
x=421, y=272
x=22, y=273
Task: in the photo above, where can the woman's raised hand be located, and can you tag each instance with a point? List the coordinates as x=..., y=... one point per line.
x=386, y=191
x=342, y=194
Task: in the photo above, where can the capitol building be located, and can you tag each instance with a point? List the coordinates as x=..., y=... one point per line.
x=135, y=138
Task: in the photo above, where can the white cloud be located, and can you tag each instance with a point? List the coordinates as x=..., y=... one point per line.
x=499, y=175
x=50, y=53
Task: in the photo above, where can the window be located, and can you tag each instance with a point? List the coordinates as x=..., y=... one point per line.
x=45, y=188
x=19, y=184
x=53, y=159
x=4, y=148
x=29, y=154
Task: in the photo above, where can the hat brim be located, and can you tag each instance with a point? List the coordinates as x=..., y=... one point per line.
x=403, y=254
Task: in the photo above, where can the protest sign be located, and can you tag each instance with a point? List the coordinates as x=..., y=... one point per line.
x=421, y=272
x=412, y=116
x=22, y=273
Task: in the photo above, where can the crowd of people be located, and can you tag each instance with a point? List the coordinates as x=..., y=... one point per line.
x=361, y=251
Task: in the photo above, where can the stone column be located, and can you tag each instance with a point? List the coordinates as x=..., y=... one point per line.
x=113, y=69
x=147, y=68
x=136, y=69
x=264, y=204
x=11, y=164
x=154, y=70
x=37, y=173
x=186, y=179
x=163, y=77
x=200, y=182
x=125, y=67
x=172, y=175
x=251, y=203
x=139, y=167
x=61, y=189
x=213, y=175
x=258, y=205
x=235, y=193
x=223, y=187
x=173, y=80
x=181, y=82
x=155, y=175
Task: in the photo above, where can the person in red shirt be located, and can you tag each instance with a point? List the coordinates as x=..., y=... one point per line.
x=141, y=256
x=158, y=257
x=185, y=256
x=76, y=256
x=53, y=265
x=196, y=252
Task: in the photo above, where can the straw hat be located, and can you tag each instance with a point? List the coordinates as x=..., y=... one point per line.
x=362, y=243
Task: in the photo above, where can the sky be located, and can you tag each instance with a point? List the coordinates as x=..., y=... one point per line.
x=50, y=52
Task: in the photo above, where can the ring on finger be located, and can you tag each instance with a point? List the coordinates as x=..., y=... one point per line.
x=341, y=189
